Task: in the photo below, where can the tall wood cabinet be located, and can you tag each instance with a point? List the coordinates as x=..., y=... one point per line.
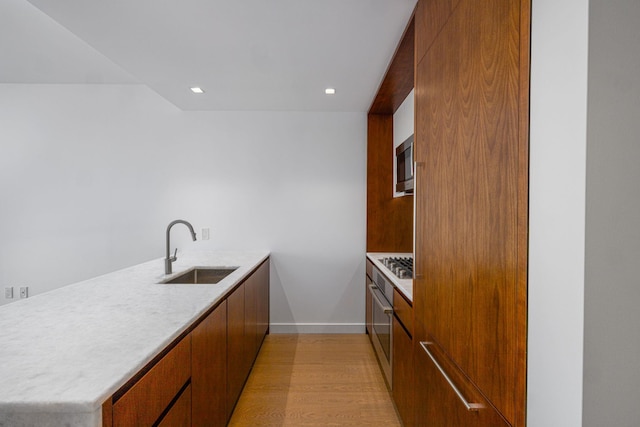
x=471, y=149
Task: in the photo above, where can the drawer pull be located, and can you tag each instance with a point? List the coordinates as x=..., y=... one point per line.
x=470, y=406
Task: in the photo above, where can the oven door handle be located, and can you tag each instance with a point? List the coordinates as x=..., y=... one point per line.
x=374, y=293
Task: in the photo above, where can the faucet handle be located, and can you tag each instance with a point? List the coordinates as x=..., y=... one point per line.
x=175, y=255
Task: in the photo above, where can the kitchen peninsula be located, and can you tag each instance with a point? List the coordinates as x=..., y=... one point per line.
x=66, y=352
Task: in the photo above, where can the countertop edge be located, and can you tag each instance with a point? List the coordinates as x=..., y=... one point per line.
x=402, y=285
x=13, y=409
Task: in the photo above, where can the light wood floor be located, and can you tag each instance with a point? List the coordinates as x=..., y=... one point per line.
x=315, y=380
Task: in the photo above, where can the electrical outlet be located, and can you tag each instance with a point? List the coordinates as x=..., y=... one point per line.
x=24, y=292
x=205, y=234
x=8, y=293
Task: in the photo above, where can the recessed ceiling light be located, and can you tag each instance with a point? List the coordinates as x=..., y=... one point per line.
x=330, y=91
x=197, y=90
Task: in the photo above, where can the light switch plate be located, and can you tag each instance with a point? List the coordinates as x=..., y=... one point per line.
x=205, y=234
x=8, y=293
x=24, y=292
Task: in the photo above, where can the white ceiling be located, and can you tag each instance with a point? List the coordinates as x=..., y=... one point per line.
x=246, y=54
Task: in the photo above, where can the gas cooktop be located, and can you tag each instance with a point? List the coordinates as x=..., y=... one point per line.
x=402, y=267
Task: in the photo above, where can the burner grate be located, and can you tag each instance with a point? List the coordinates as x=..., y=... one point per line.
x=400, y=266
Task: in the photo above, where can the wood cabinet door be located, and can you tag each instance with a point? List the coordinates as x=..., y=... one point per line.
x=180, y=413
x=402, y=389
x=209, y=369
x=251, y=287
x=151, y=395
x=263, y=302
x=471, y=191
x=235, y=347
x=437, y=404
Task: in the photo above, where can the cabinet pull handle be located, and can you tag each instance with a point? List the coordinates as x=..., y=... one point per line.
x=416, y=167
x=469, y=406
x=387, y=309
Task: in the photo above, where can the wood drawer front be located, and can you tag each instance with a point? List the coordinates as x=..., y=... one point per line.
x=369, y=268
x=403, y=310
x=180, y=413
x=143, y=404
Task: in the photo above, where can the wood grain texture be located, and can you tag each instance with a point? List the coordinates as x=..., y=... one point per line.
x=315, y=380
x=470, y=295
x=398, y=80
x=236, y=373
x=389, y=219
x=107, y=413
x=403, y=310
x=251, y=286
x=262, y=276
x=151, y=395
x=430, y=17
x=209, y=369
x=403, y=374
x=520, y=381
x=180, y=413
x=438, y=405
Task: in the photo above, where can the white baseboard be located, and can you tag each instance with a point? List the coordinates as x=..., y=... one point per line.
x=316, y=328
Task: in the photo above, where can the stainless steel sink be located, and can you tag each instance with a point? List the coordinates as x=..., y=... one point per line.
x=202, y=275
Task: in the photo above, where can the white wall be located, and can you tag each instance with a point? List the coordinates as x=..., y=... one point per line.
x=612, y=291
x=557, y=210
x=90, y=176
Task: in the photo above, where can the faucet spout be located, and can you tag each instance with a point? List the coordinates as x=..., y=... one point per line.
x=170, y=259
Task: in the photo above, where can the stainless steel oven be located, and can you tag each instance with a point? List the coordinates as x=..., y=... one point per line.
x=382, y=326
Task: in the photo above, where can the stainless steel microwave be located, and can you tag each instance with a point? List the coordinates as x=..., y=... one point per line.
x=404, y=166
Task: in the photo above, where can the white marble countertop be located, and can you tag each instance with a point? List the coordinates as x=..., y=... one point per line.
x=64, y=352
x=405, y=286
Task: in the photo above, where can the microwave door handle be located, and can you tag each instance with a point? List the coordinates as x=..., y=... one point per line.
x=374, y=290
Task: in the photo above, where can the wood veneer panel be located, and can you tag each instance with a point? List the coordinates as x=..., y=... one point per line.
x=470, y=295
x=398, y=80
x=180, y=413
x=389, y=219
x=440, y=406
x=403, y=374
x=250, y=321
x=431, y=16
x=262, y=276
x=150, y=396
x=403, y=310
x=209, y=369
x=520, y=381
x=107, y=413
x=236, y=373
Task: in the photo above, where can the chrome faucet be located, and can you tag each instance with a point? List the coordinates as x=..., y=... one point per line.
x=169, y=259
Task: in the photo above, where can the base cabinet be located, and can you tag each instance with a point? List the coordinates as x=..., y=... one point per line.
x=402, y=390
x=247, y=325
x=179, y=415
x=235, y=347
x=209, y=369
x=402, y=363
x=146, y=401
x=198, y=380
x=438, y=404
